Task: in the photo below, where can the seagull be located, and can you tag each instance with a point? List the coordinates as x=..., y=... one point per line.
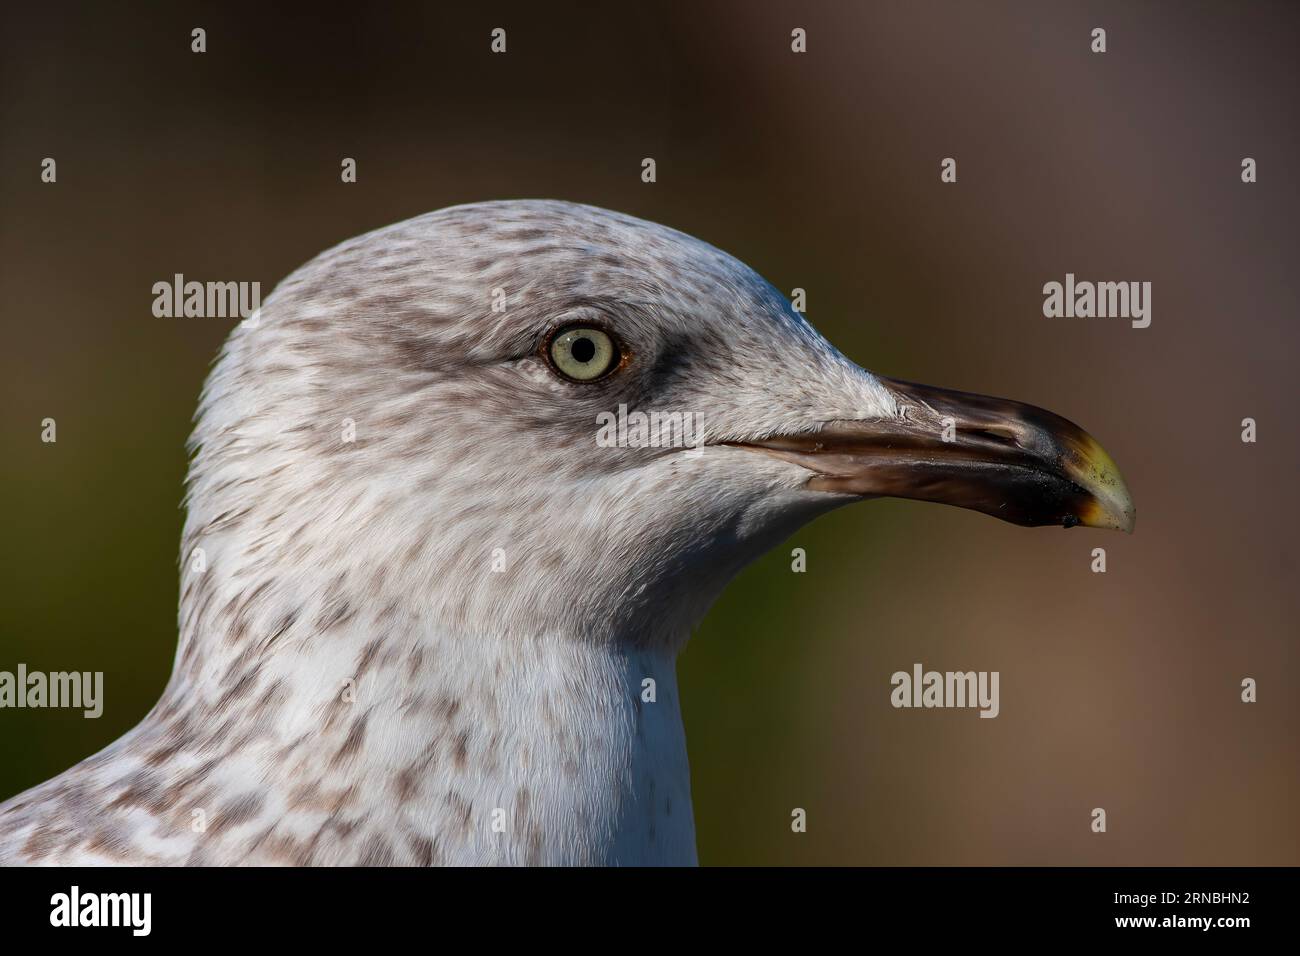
x=427, y=616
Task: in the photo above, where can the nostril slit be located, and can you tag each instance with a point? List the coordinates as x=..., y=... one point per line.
x=1000, y=438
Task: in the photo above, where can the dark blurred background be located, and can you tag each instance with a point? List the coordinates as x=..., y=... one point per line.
x=1118, y=690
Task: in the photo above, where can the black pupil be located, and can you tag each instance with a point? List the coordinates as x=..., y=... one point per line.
x=584, y=350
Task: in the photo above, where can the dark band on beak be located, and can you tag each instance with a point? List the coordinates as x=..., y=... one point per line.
x=1013, y=461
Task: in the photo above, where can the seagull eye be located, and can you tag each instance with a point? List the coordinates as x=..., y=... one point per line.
x=583, y=354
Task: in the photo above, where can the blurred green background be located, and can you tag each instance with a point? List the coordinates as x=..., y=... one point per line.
x=821, y=171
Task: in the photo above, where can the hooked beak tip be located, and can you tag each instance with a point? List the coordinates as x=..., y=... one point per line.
x=1111, y=505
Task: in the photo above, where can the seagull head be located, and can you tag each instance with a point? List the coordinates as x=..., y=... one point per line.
x=535, y=416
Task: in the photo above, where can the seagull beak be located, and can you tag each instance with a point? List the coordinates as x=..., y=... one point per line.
x=1013, y=461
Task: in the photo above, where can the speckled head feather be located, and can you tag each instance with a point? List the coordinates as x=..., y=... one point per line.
x=429, y=598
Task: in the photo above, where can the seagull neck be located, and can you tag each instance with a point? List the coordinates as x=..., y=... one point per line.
x=486, y=748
